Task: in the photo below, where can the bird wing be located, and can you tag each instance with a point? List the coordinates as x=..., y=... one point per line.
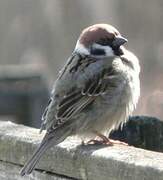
x=77, y=99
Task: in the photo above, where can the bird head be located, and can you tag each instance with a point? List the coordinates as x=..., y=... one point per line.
x=100, y=40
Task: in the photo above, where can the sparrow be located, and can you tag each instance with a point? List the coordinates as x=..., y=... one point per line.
x=95, y=92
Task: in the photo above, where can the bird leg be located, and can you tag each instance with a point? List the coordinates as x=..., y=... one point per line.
x=105, y=140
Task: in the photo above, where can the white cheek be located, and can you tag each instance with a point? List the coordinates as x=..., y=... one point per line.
x=81, y=49
x=108, y=50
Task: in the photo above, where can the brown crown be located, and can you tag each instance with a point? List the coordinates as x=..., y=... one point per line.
x=96, y=32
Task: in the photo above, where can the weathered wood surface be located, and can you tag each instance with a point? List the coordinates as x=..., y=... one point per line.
x=73, y=160
x=9, y=171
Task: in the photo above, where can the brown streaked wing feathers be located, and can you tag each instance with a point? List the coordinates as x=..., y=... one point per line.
x=76, y=101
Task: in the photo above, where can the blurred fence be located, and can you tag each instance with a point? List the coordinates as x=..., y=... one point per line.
x=23, y=93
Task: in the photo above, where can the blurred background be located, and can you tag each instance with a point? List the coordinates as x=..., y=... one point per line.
x=37, y=37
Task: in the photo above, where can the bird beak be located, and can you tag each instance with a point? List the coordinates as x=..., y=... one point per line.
x=118, y=41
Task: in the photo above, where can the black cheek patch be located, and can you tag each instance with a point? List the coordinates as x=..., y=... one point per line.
x=95, y=51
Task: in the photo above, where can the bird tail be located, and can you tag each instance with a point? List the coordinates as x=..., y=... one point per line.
x=50, y=139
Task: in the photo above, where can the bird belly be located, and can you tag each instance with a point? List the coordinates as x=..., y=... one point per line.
x=107, y=113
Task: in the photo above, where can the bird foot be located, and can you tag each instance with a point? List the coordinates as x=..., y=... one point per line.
x=109, y=142
x=105, y=140
x=95, y=141
x=112, y=142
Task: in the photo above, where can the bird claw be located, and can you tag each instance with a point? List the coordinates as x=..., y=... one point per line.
x=109, y=142
x=94, y=141
x=112, y=142
x=105, y=140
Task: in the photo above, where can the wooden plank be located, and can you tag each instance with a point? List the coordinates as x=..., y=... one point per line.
x=73, y=160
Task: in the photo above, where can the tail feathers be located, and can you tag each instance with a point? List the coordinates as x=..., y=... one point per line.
x=30, y=165
x=47, y=142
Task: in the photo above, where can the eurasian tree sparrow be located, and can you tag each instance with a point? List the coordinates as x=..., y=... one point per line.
x=96, y=90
